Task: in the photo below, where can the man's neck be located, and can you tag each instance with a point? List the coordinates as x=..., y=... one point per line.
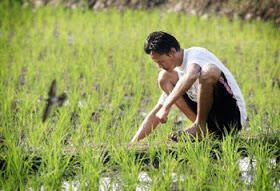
x=181, y=57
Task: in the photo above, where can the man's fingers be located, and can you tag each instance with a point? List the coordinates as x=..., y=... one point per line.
x=160, y=119
x=163, y=120
x=162, y=116
x=173, y=136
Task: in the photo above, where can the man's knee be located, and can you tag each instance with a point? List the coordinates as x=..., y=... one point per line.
x=210, y=74
x=162, y=79
x=165, y=77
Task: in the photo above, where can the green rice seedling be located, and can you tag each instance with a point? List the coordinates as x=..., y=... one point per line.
x=227, y=170
x=91, y=166
x=129, y=169
x=16, y=168
x=54, y=162
x=163, y=177
x=198, y=170
x=266, y=176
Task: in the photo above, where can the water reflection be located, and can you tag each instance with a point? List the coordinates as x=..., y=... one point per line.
x=107, y=183
x=74, y=186
x=144, y=180
x=246, y=165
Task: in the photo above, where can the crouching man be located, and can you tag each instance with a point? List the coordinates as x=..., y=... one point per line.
x=197, y=82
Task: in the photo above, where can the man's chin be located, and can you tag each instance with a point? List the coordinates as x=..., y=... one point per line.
x=168, y=70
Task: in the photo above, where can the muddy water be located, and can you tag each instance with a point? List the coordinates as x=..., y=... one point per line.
x=246, y=165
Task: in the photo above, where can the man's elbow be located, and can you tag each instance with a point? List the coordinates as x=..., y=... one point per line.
x=195, y=76
x=194, y=72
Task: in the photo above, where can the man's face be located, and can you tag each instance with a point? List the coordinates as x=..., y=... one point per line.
x=164, y=61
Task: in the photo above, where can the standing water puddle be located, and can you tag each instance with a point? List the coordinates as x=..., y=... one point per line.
x=246, y=165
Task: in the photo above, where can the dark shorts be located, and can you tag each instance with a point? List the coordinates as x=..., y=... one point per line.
x=224, y=116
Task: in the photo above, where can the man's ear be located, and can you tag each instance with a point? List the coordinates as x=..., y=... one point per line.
x=172, y=51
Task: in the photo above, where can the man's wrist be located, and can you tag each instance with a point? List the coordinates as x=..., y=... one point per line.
x=166, y=106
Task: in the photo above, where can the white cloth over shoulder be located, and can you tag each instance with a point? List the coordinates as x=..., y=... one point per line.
x=202, y=56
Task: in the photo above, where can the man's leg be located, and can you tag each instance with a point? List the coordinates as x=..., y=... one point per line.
x=209, y=77
x=224, y=116
x=167, y=81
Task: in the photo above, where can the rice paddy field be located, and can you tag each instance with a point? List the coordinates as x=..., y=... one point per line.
x=97, y=59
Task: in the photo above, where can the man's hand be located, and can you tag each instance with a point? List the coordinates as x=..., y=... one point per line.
x=162, y=114
x=130, y=144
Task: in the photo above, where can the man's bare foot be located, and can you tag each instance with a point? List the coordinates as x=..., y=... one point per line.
x=192, y=132
x=174, y=136
x=196, y=131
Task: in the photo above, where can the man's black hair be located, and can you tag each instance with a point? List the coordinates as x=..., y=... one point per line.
x=161, y=43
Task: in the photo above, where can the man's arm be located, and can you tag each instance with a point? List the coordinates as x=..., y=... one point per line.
x=193, y=72
x=149, y=123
